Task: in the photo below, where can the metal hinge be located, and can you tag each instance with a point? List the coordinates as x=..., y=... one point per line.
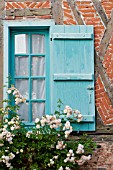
x=90, y=88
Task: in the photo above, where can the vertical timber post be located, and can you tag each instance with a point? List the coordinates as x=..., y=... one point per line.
x=57, y=11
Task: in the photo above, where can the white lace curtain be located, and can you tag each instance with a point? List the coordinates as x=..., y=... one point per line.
x=37, y=69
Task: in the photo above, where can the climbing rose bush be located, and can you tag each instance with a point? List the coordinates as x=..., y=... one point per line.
x=45, y=146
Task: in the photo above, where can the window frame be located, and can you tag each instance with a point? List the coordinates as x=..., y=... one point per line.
x=50, y=25
x=34, y=25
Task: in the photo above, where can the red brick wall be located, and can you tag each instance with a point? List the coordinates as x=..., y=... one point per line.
x=27, y=5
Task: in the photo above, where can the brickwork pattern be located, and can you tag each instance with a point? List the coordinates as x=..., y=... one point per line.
x=108, y=60
x=108, y=6
x=21, y=5
x=68, y=15
x=90, y=13
x=15, y=7
x=91, y=17
x=103, y=103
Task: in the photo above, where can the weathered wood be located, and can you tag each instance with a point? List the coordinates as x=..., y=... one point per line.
x=101, y=138
x=2, y=16
x=41, y=11
x=101, y=128
x=72, y=36
x=57, y=11
x=28, y=12
x=66, y=77
x=99, y=68
x=98, y=138
x=25, y=0
x=100, y=11
x=76, y=13
x=1, y=63
x=106, y=38
x=2, y=11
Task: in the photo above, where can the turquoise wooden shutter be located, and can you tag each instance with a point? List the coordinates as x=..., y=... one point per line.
x=72, y=71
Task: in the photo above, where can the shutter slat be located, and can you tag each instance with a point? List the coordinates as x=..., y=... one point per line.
x=86, y=118
x=66, y=77
x=72, y=36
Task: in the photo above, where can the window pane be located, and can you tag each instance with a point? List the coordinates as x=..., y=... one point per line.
x=38, y=110
x=22, y=86
x=21, y=44
x=38, y=45
x=23, y=111
x=38, y=66
x=38, y=89
x=21, y=66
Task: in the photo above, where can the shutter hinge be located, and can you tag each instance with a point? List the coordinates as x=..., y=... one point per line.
x=90, y=88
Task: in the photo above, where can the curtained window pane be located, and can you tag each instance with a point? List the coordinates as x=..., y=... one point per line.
x=38, y=89
x=38, y=45
x=38, y=66
x=21, y=66
x=23, y=111
x=38, y=110
x=22, y=86
x=21, y=44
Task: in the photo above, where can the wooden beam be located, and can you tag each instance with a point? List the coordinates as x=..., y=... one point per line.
x=25, y=0
x=106, y=38
x=2, y=11
x=28, y=12
x=57, y=11
x=1, y=62
x=76, y=13
x=2, y=17
x=107, y=84
x=100, y=11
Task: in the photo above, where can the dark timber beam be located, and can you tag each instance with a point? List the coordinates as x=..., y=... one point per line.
x=28, y=12
x=100, y=11
x=100, y=70
x=106, y=38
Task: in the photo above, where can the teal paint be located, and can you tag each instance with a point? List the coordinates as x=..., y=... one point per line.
x=48, y=68
x=72, y=36
x=86, y=118
x=67, y=77
x=72, y=71
x=8, y=26
x=30, y=78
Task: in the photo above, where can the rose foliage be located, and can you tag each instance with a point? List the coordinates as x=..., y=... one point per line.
x=44, y=146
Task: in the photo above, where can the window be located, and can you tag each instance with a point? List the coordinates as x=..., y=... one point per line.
x=29, y=70
x=52, y=62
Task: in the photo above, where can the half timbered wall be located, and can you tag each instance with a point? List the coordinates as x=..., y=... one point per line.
x=78, y=12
